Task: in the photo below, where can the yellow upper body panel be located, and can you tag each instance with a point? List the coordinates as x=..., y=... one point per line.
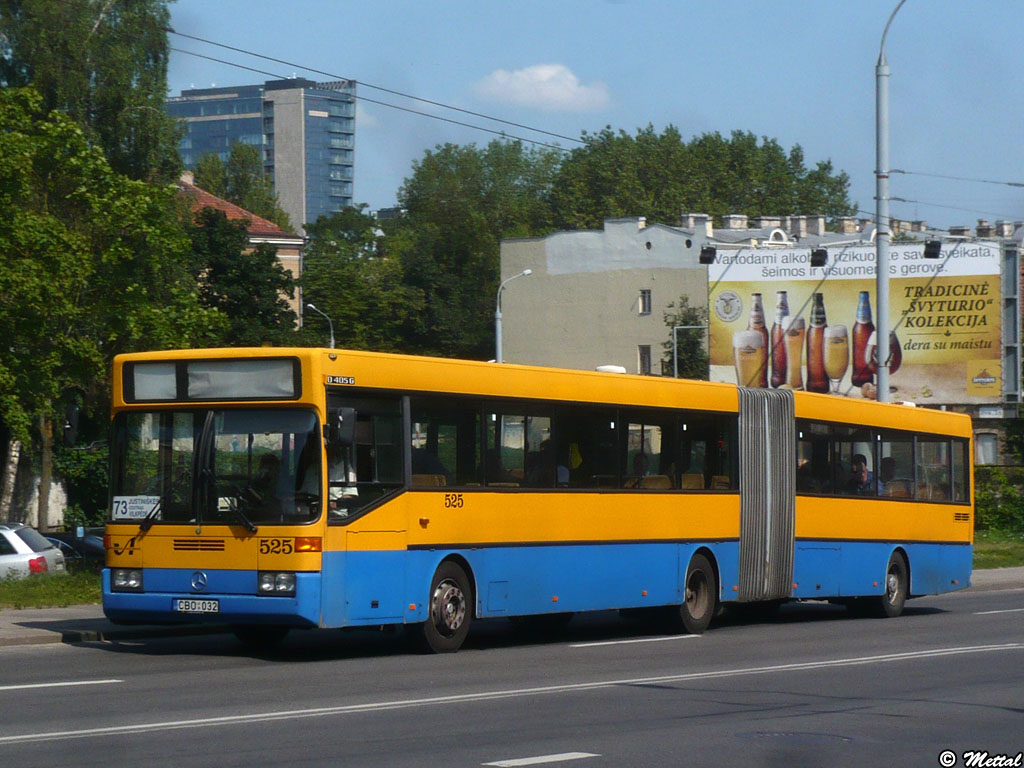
x=431, y=374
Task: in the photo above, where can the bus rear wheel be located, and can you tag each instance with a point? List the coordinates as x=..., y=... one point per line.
x=896, y=587
x=450, y=610
x=700, y=597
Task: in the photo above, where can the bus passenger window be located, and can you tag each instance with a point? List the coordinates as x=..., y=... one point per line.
x=855, y=462
x=960, y=480
x=933, y=460
x=896, y=467
x=813, y=458
x=648, y=465
x=445, y=442
x=705, y=450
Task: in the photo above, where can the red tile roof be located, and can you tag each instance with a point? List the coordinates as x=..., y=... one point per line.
x=256, y=225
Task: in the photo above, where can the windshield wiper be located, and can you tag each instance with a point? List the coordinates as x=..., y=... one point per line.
x=147, y=522
x=248, y=524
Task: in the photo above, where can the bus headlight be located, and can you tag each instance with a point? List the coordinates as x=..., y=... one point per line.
x=276, y=583
x=126, y=580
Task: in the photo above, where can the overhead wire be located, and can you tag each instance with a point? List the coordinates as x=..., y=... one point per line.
x=958, y=178
x=503, y=134
x=374, y=87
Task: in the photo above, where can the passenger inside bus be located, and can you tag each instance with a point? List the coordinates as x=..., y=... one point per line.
x=861, y=478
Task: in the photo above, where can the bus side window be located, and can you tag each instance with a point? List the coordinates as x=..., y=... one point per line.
x=445, y=442
x=814, y=458
x=960, y=480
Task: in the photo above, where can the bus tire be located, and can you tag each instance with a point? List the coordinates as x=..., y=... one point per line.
x=897, y=587
x=450, y=610
x=700, y=601
x=259, y=638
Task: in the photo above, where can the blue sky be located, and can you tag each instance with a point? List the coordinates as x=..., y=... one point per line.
x=799, y=71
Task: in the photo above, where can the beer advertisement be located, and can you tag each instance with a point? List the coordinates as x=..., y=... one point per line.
x=776, y=321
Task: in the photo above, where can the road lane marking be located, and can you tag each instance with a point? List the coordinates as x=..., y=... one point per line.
x=542, y=759
x=628, y=642
x=383, y=706
x=57, y=685
x=1005, y=610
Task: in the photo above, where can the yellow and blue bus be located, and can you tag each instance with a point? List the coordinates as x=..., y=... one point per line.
x=272, y=488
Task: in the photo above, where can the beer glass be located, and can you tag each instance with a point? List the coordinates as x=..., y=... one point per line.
x=837, y=354
x=750, y=357
x=793, y=333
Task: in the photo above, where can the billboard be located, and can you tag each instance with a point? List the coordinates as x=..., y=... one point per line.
x=776, y=321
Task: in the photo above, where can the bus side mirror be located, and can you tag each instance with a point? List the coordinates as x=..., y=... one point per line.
x=342, y=428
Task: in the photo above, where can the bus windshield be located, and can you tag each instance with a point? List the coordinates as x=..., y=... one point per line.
x=243, y=466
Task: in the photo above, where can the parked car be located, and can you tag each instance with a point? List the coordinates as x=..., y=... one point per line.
x=83, y=550
x=25, y=552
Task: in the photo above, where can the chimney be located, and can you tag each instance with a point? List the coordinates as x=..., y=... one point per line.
x=798, y=226
x=696, y=221
x=960, y=231
x=188, y=177
x=1004, y=228
x=983, y=229
x=764, y=222
x=918, y=226
x=847, y=225
x=734, y=221
x=816, y=225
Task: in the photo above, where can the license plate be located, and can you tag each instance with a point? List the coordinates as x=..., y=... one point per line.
x=197, y=606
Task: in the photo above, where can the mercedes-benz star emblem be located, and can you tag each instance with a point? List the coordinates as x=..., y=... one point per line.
x=198, y=581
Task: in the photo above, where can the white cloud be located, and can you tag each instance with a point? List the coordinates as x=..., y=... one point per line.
x=365, y=118
x=551, y=87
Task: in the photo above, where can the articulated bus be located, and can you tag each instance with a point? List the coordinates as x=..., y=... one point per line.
x=270, y=489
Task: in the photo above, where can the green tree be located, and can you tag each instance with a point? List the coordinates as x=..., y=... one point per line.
x=241, y=181
x=93, y=266
x=687, y=343
x=347, y=276
x=104, y=64
x=460, y=202
x=210, y=175
x=247, y=286
x=661, y=175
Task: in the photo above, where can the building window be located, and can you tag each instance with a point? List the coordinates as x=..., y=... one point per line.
x=986, y=448
x=644, y=351
x=645, y=301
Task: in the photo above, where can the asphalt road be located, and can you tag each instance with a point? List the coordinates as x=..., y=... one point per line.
x=811, y=687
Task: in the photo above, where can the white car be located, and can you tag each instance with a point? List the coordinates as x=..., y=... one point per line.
x=26, y=552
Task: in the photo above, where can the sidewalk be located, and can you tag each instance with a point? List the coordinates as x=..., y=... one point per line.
x=86, y=623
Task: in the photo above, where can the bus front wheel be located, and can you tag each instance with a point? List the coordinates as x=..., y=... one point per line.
x=700, y=598
x=450, y=610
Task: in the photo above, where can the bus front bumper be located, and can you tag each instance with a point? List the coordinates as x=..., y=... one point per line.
x=163, y=602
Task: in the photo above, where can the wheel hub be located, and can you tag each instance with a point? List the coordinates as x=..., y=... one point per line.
x=448, y=607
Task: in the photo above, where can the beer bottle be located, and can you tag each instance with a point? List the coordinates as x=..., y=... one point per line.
x=778, y=348
x=817, y=380
x=756, y=323
x=862, y=331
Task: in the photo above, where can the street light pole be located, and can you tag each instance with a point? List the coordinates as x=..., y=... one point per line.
x=497, y=313
x=329, y=323
x=882, y=213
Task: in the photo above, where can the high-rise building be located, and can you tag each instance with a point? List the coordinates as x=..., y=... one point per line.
x=305, y=132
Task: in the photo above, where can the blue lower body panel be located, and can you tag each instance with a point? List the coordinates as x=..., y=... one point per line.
x=824, y=569
x=369, y=588
x=234, y=591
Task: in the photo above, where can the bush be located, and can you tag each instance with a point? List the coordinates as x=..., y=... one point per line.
x=999, y=499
